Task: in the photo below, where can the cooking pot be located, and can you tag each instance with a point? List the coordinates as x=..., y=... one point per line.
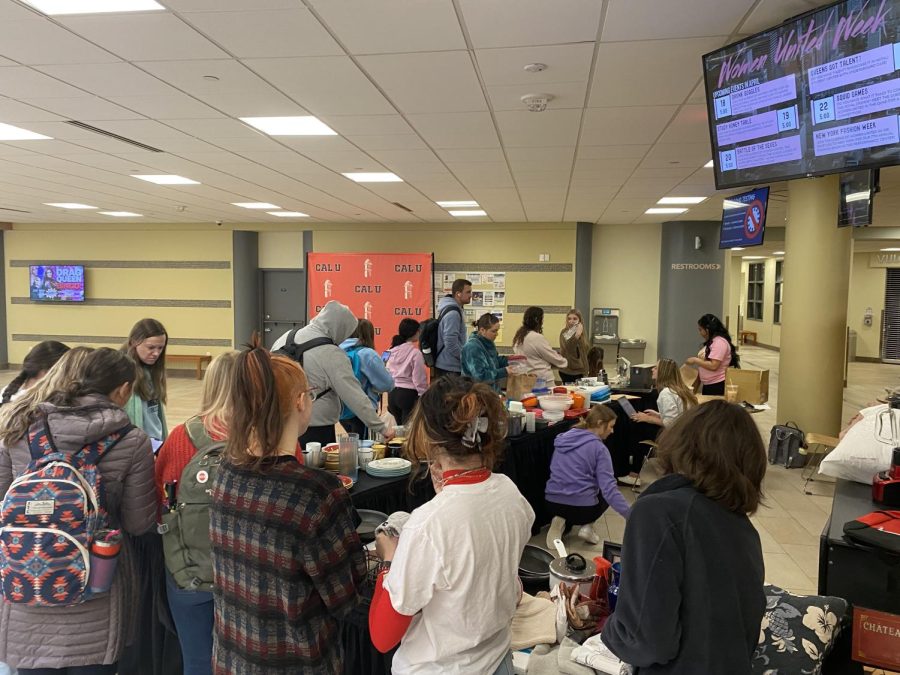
x=516, y=424
x=572, y=569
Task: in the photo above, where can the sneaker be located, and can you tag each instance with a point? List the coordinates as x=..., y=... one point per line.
x=557, y=525
x=629, y=480
x=588, y=534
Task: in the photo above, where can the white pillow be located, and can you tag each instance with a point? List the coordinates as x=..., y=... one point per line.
x=859, y=455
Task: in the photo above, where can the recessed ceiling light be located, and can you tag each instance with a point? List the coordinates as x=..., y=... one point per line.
x=736, y=248
x=708, y=165
x=54, y=7
x=857, y=196
x=460, y=204
x=681, y=200
x=664, y=210
x=121, y=214
x=255, y=205
x=10, y=133
x=464, y=214
x=288, y=214
x=753, y=257
x=778, y=253
x=69, y=205
x=166, y=179
x=891, y=249
x=305, y=125
x=374, y=177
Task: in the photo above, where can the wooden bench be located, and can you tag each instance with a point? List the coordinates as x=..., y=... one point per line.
x=746, y=335
x=199, y=360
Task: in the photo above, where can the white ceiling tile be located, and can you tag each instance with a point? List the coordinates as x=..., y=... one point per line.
x=324, y=85
x=388, y=142
x=102, y=79
x=615, y=126
x=675, y=174
x=513, y=23
x=85, y=107
x=643, y=82
x=651, y=19
x=769, y=13
x=471, y=154
x=694, y=155
x=456, y=130
x=484, y=174
x=427, y=82
x=565, y=63
x=385, y=26
x=14, y=111
x=38, y=41
x=689, y=126
x=621, y=164
x=612, y=151
x=26, y=83
x=543, y=159
x=529, y=182
x=176, y=106
x=565, y=95
x=367, y=125
x=549, y=128
x=402, y=160
x=216, y=128
x=144, y=36
x=294, y=32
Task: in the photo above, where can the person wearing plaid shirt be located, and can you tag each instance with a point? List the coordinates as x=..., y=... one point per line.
x=287, y=561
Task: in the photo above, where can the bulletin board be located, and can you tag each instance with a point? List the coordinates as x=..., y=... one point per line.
x=488, y=293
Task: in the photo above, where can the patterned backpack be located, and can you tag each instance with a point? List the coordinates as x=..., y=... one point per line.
x=48, y=520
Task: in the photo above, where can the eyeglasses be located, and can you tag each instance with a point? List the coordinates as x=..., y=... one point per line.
x=312, y=392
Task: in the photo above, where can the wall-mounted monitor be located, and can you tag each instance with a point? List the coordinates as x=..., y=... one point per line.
x=56, y=283
x=744, y=219
x=858, y=190
x=813, y=96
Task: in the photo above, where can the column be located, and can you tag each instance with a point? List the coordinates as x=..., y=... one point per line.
x=814, y=318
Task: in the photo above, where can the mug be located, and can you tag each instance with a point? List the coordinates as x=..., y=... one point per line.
x=365, y=456
x=104, y=557
x=314, y=454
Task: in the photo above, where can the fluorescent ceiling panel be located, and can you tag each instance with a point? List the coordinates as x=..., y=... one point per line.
x=255, y=205
x=166, y=179
x=374, y=177
x=57, y=7
x=10, y=133
x=664, y=210
x=681, y=200
x=288, y=214
x=305, y=125
x=121, y=214
x=464, y=214
x=460, y=204
x=69, y=205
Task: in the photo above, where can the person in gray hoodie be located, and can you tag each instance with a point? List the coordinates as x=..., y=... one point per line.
x=452, y=328
x=330, y=375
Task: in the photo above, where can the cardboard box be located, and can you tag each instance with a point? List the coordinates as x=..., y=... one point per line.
x=753, y=385
x=876, y=638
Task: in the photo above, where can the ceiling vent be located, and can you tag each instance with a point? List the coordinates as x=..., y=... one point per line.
x=3, y=208
x=109, y=134
x=537, y=102
x=400, y=206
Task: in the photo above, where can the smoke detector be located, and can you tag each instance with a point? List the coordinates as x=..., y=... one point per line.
x=537, y=102
x=535, y=67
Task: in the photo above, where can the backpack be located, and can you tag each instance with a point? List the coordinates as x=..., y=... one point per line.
x=785, y=442
x=428, y=335
x=49, y=519
x=880, y=529
x=353, y=354
x=295, y=351
x=185, y=529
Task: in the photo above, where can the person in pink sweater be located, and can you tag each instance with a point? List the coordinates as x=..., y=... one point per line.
x=407, y=366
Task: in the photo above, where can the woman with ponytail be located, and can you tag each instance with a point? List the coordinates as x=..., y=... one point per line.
x=407, y=366
x=715, y=356
x=36, y=364
x=448, y=589
x=287, y=562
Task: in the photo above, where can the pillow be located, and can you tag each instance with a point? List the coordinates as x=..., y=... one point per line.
x=859, y=455
x=797, y=632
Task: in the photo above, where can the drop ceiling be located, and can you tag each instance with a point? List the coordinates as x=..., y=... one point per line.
x=427, y=89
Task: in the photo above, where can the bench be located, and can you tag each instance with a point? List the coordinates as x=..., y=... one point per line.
x=199, y=360
x=746, y=335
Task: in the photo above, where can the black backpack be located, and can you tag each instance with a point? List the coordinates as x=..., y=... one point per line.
x=295, y=351
x=785, y=442
x=428, y=335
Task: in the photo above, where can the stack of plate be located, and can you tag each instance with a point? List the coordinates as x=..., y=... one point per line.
x=389, y=467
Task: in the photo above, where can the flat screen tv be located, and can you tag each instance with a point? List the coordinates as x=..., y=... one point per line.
x=858, y=190
x=816, y=95
x=57, y=283
x=744, y=219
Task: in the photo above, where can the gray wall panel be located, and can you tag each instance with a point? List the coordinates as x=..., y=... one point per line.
x=584, y=245
x=245, y=256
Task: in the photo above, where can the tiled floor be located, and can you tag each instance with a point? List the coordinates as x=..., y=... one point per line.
x=789, y=523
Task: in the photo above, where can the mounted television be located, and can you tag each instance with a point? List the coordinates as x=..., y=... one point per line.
x=744, y=219
x=858, y=190
x=813, y=96
x=57, y=283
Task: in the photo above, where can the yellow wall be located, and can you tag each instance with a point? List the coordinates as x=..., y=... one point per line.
x=625, y=274
x=866, y=290
x=66, y=243
x=475, y=243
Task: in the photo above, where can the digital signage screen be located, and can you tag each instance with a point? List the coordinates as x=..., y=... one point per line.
x=744, y=219
x=57, y=283
x=816, y=95
x=858, y=190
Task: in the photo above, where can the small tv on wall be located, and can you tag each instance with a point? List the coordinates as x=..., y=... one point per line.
x=56, y=283
x=744, y=219
x=858, y=190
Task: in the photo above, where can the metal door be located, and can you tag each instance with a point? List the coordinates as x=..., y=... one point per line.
x=283, y=302
x=890, y=318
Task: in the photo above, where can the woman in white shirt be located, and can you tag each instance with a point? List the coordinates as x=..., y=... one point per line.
x=674, y=396
x=530, y=343
x=451, y=587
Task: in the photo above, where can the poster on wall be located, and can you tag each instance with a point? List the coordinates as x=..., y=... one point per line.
x=381, y=287
x=488, y=293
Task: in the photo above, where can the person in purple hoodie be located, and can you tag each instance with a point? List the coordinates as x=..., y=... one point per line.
x=582, y=484
x=406, y=365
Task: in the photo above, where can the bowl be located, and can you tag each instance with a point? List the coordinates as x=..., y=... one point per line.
x=554, y=416
x=555, y=402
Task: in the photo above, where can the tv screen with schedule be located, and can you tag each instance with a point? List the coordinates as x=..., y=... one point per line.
x=56, y=283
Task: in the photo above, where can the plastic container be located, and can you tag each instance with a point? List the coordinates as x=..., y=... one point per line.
x=349, y=456
x=104, y=558
x=555, y=402
x=554, y=416
x=517, y=364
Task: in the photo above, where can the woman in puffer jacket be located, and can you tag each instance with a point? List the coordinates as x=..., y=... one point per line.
x=480, y=359
x=87, y=638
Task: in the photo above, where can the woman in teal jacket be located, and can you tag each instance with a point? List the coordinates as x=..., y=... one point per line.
x=480, y=359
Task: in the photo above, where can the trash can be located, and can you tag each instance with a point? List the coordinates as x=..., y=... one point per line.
x=633, y=350
x=851, y=345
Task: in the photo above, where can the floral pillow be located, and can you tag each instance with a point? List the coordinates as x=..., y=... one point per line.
x=797, y=632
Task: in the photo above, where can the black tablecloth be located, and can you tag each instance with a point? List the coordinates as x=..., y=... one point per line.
x=625, y=440
x=390, y=494
x=360, y=656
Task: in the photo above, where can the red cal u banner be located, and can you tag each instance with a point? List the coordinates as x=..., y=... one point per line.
x=381, y=287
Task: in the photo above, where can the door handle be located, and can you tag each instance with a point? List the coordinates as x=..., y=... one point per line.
x=267, y=330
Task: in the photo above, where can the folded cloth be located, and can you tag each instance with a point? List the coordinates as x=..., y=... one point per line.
x=543, y=662
x=393, y=526
x=533, y=623
x=566, y=664
x=597, y=655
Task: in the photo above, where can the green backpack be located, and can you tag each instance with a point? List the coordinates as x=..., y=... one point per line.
x=185, y=528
